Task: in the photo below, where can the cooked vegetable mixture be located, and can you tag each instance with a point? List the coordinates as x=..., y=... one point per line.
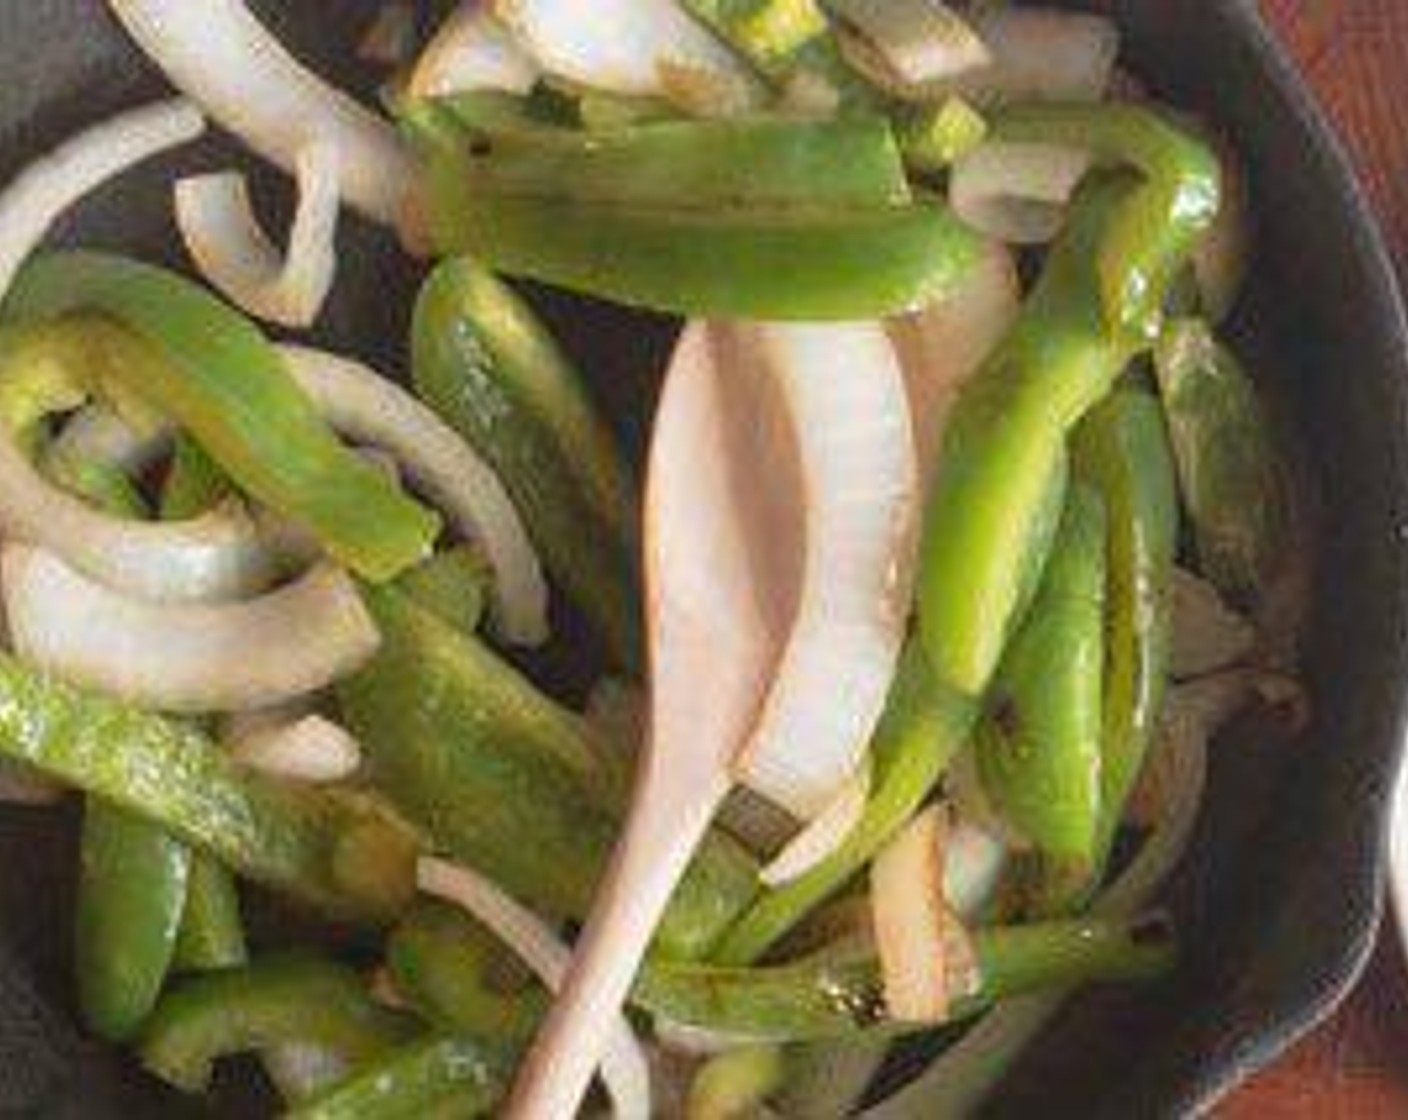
x=958, y=284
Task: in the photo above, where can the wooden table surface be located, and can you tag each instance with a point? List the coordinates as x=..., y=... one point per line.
x=1355, y=53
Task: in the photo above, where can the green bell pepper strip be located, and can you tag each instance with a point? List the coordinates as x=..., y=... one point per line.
x=101, y=485
x=131, y=893
x=453, y=585
x=442, y=961
x=933, y=137
x=488, y=366
x=768, y=163
x=279, y=1000
x=735, y=1083
x=830, y=997
x=768, y=33
x=1229, y=472
x=193, y=484
x=1038, y=747
x=504, y=779
x=442, y=1076
x=997, y=501
x=212, y=931
x=924, y=726
x=341, y=852
x=785, y=266
x=1122, y=451
x=1152, y=236
x=213, y=372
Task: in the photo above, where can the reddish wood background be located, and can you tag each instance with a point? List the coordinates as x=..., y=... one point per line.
x=1355, y=53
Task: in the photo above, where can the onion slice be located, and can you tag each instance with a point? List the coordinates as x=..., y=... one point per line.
x=943, y=345
x=1043, y=54
x=640, y=47
x=906, y=44
x=1016, y=192
x=232, y=251
x=98, y=434
x=1208, y=635
x=926, y=957
x=185, y=657
x=365, y=406
x=218, y=555
x=221, y=56
x=472, y=50
x=312, y=749
x=36, y=198
x=827, y=832
x=845, y=400
x=624, y=1066
x=974, y=863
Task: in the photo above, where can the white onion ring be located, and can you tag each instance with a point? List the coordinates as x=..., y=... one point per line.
x=639, y=47
x=1014, y=192
x=311, y=749
x=624, y=1067
x=366, y=407
x=185, y=657
x=845, y=398
x=220, y=55
x=472, y=50
x=823, y=835
x=232, y=251
x=98, y=434
x=905, y=45
x=36, y=198
x=1043, y=54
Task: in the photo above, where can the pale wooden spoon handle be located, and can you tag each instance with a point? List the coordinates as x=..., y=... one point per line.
x=667, y=822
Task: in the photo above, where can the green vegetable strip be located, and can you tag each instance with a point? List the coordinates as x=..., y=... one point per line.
x=453, y=585
x=214, y=373
x=933, y=137
x=1122, y=451
x=924, y=726
x=736, y=1083
x=761, y=163
x=1230, y=476
x=1038, y=747
x=769, y=33
x=1157, y=227
x=193, y=485
x=486, y=364
x=997, y=501
x=212, y=932
x=442, y=962
x=340, y=852
x=98, y=483
x=294, y=1000
x=785, y=266
x=507, y=781
x=442, y=1076
x=826, y=997
x=131, y=893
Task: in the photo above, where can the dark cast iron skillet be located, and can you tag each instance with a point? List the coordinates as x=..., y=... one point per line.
x=1280, y=900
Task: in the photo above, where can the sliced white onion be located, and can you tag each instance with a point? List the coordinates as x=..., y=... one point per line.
x=926, y=958
x=624, y=1067
x=907, y=43
x=473, y=50
x=36, y=198
x=232, y=251
x=241, y=724
x=1016, y=193
x=390, y=38
x=625, y=46
x=367, y=407
x=185, y=657
x=1043, y=54
x=221, y=56
x=943, y=345
x=218, y=555
x=1208, y=635
x=974, y=863
x=823, y=835
x=313, y=750
x=97, y=434
x=845, y=398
